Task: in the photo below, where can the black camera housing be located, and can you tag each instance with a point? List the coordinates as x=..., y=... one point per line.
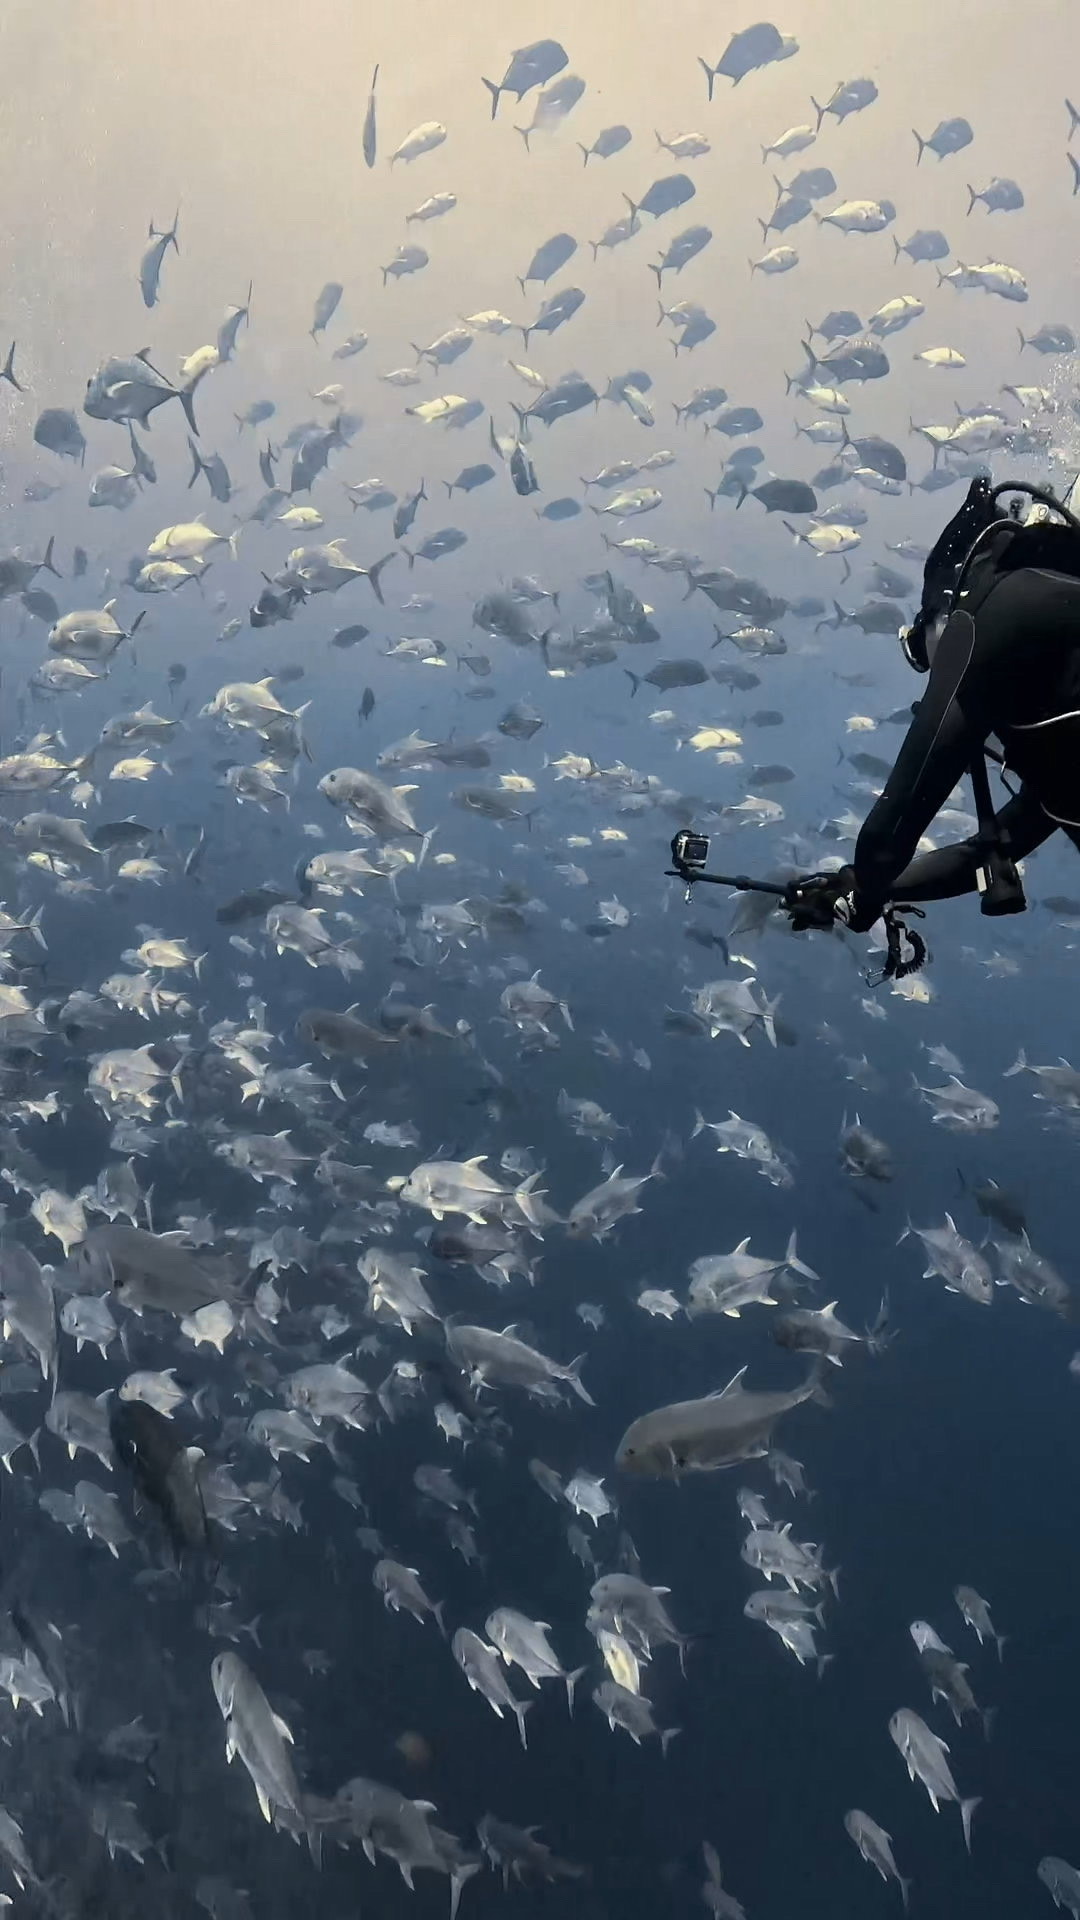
x=690, y=849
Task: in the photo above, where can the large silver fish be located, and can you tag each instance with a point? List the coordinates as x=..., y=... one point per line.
x=697, y=1436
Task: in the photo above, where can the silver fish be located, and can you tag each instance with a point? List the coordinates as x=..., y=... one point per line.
x=701, y=1435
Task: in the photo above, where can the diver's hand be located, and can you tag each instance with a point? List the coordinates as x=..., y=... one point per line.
x=852, y=911
x=819, y=900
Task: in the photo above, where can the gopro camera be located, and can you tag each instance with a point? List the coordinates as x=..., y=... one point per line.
x=690, y=851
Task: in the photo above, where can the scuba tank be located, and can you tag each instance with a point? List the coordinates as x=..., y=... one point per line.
x=947, y=560
x=983, y=533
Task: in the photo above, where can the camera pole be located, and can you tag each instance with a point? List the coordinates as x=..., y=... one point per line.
x=740, y=881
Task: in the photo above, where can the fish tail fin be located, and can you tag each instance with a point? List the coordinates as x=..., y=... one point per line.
x=972, y=197
x=712, y=495
x=573, y=1377
x=521, y=1708
x=187, y=401
x=47, y=563
x=458, y=1879
x=374, y=572
x=7, y=371
x=635, y=678
x=905, y=1889
x=494, y=92
x=313, y=1835
x=585, y=151
x=879, y=1336
x=524, y=132
x=897, y=249
x=921, y=143
x=1002, y=1640
x=659, y=272
x=764, y=225
x=819, y=110
x=967, y=1808
x=667, y=1737
x=709, y=72
x=1023, y=342
x=1019, y=1065
x=816, y=1390
x=794, y=1264
x=571, y=1682
x=700, y=1123
x=197, y=462
x=634, y=210
x=234, y=541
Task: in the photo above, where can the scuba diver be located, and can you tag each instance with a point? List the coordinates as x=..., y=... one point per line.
x=998, y=632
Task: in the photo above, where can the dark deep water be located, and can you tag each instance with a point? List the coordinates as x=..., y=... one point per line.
x=950, y=1457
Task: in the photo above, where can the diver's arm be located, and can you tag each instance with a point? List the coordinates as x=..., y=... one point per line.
x=950, y=871
x=940, y=744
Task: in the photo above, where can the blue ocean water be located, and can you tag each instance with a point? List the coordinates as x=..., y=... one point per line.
x=949, y=1457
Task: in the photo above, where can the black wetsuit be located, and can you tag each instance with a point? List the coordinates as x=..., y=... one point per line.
x=1007, y=664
